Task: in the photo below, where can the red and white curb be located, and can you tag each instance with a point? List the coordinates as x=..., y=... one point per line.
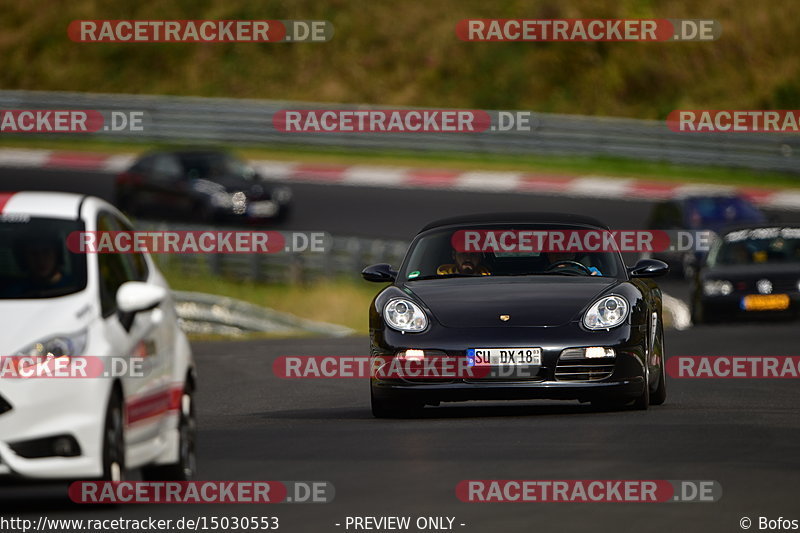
x=587, y=186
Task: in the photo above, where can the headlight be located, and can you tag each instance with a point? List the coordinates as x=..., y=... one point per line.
x=72, y=344
x=239, y=201
x=607, y=312
x=716, y=287
x=404, y=315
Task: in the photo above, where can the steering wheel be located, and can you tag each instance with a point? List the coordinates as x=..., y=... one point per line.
x=566, y=265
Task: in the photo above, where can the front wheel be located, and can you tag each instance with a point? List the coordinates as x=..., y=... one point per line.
x=114, y=440
x=698, y=317
x=643, y=402
x=660, y=395
x=185, y=467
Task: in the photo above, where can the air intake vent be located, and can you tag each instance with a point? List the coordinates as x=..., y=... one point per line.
x=584, y=369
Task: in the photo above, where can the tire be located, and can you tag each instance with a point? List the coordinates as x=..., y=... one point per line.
x=393, y=408
x=643, y=402
x=185, y=468
x=659, y=396
x=697, y=312
x=114, y=440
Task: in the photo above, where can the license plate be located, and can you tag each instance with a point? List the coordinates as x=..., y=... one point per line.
x=765, y=302
x=504, y=356
x=262, y=209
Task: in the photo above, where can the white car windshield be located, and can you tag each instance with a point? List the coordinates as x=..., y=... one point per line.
x=35, y=261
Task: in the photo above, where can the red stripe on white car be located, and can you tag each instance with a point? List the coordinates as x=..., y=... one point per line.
x=4, y=198
x=139, y=409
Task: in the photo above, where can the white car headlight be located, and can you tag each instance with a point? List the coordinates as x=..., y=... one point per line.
x=607, y=312
x=716, y=287
x=71, y=344
x=404, y=315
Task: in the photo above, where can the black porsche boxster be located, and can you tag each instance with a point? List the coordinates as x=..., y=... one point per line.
x=530, y=324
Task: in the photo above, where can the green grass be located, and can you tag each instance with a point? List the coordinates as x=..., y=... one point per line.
x=337, y=302
x=567, y=166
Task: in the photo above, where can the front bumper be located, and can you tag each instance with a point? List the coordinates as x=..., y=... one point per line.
x=623, y=376
x=512, y=390
x=731, y=306
x=43, y=408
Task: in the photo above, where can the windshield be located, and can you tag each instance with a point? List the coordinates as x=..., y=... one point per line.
x=757, y=246
x=35, y=261
x=210, y=165
x=438, y=255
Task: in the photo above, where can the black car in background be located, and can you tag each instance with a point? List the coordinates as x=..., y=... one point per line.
x=750, y=272
x=699, y=211
x=201, y=185
x=582, y=326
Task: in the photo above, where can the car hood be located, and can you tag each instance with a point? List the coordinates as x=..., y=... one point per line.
x=529, y=301
x=28, y=321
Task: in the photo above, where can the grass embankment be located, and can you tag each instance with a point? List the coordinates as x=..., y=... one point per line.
x=337, y=302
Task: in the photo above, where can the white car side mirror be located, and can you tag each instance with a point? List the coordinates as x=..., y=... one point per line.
x=135, y=296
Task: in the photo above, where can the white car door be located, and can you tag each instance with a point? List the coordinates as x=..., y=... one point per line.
x=139, y=343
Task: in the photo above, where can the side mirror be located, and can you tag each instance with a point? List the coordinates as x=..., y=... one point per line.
x=136, y=296
x=381, y=273
x=648, y=268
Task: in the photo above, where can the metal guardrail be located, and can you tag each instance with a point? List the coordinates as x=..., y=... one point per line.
x=227, y=120
x=219, y=315
x=344, y=259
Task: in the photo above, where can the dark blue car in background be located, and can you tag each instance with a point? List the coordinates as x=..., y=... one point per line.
x=696, y=212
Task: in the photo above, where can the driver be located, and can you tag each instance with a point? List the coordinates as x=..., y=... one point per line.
x=42, y=259
x=563, y=260
x=469, y=263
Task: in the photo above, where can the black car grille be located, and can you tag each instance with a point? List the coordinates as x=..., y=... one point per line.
x=583, y=369
x=4, y=405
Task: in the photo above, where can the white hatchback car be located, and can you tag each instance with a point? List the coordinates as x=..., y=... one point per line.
x=79, y=306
